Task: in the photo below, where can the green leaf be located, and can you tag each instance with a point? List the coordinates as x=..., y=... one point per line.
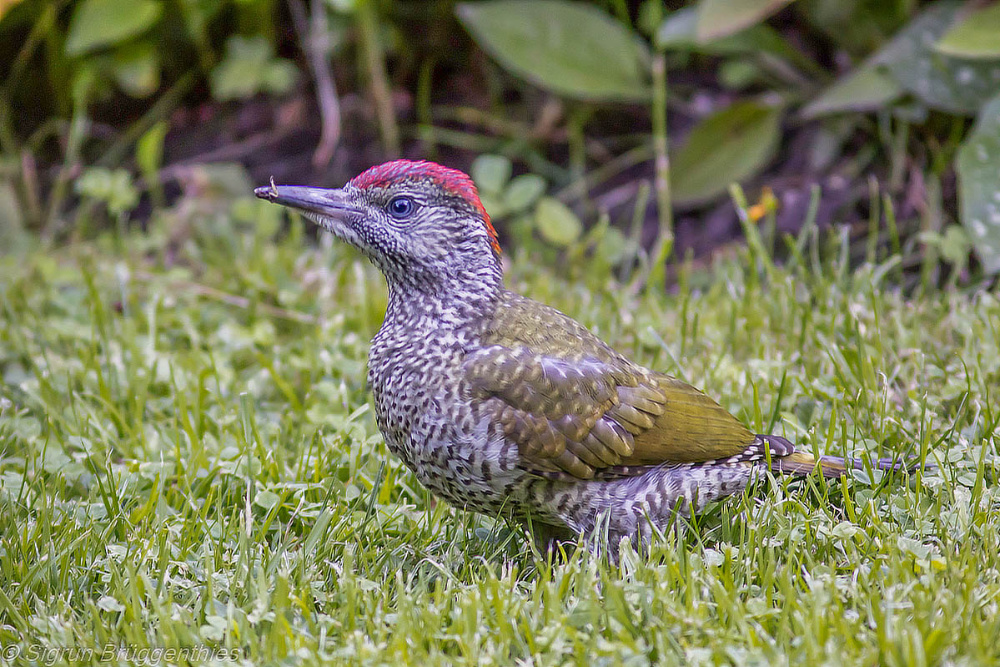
x=678, y=32
x=739, y=73
x=728, y=146
x=197, y=15
x=941, y=82
x=278, y=76
x=568, y=48
x=491, y=173
x=721, y=18
x=978, y=164
x=100, y=23
x=865, y=89
x=108, y=603
x=113, y=188
x=137, y=70
x=845, y=530
x=976, y=36
x=556, y=222
x=909, y=63
x=266, y=499
x=913, y=547
x=250, y=68
x=523, y=191
x=612, y=246
x=149, y=150
x=955, y=245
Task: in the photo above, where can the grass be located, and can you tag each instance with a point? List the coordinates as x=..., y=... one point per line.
x=189, y=461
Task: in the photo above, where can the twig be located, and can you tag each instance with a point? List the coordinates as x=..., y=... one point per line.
x=314, y=35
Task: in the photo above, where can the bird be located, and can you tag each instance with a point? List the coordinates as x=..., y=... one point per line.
x=503, y=405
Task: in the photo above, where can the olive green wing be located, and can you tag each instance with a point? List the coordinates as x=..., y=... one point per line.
x=577, y=408
x=580, y=418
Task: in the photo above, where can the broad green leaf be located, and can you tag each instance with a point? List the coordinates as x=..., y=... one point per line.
x=941, y=82
x=278, y=76
x=739, y=73
x=113, y=188
x=865, y=89
x=679, y=32
x=266, y=499
x=250, y=68
x=976, y=36
x=721, y=18
x=99, y=23
x=108, y=603
x=955, y=245
x=556, y=222
x=612, y=246
x=909, y=63
x=571, y=49
x=523, y=191
x=197, y=14
x=137, y=70
x=491, y=173
x=978, y=166
x=913, y=547
x=726, y=147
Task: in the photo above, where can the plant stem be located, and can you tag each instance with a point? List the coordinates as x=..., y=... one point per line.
x=665, y=238
x=375, y=62
x=577, y=148
x=8, y=140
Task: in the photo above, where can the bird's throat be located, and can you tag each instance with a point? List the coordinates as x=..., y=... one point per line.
x=450, y=303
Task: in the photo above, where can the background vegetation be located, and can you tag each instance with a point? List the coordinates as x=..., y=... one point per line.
x=644, y=113
x=793, y=204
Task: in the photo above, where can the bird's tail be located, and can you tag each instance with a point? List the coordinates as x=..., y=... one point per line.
x=832, y=467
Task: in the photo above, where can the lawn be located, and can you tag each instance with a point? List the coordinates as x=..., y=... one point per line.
x=190, y=463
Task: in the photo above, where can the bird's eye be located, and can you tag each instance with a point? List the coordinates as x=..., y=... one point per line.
x=402, y=207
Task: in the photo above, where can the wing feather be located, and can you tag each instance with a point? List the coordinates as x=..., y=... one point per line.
x=577, y=409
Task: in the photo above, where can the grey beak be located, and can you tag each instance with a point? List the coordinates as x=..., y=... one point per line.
x=331, y=203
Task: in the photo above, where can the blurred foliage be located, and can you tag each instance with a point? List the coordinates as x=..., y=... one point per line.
x=896, y=88
x=572, y=49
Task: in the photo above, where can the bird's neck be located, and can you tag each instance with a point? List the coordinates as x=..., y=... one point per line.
x=446, y=303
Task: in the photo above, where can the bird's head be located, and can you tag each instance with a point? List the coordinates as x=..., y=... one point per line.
x=421, y=223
